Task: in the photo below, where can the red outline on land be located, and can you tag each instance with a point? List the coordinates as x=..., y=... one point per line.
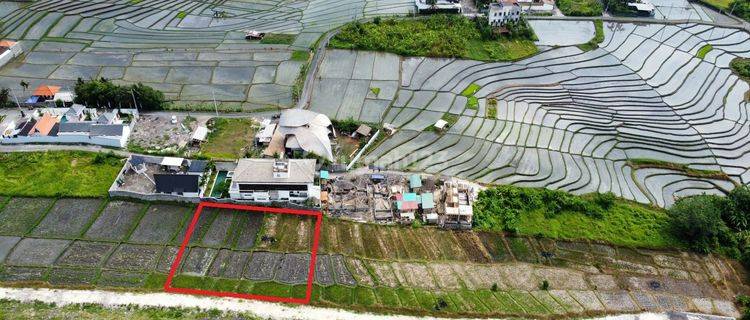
x=311, y=273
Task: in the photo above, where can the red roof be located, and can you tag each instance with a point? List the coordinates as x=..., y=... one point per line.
x=7, y=43
x=44, y=125
x=46, y=91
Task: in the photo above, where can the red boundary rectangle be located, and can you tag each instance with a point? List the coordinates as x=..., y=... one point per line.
x=311, y=273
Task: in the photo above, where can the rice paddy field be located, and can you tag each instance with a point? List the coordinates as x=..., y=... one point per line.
x=117, y=244
x=194, y=51
x=563, y=119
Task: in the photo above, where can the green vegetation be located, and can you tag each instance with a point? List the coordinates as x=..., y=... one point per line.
x=104, y=93
x=472, y=102
x=278, y=38
x=346, y=126
x=300, y=55
x=597, y=39
x=710, y=223
x=740, y=8
x=638, y=163
x=135, y=1
x=439, y=36
x=491, y=108
x=10, y=309
x=375, y=91
x=58, y=173
x=230, y=138
x=5, y=101
x=580, y=8
x=450, y=118
x=560, y=215
x=719, y=4
x=741, y=67
x=299, y=83
x=471, y=90
x=703, y=51
x=182, y=15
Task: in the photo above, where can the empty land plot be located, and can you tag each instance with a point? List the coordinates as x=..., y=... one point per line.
x=56, y=173
x=21, y=214
x=159, y=224
x=68, y=218
x=134, y=257
x=229, y=138
x=85, y=254
x=36, y=252
x=116, y=220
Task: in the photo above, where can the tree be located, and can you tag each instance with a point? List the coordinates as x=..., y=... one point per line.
x=5, y=98
x=24, y=85
x=102, y=92
x=698, y=221
x=737, y=216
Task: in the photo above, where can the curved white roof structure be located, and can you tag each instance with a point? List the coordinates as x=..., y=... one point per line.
x=308, y=130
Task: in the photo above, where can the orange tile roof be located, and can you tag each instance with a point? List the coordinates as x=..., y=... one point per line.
x=44, y=125
x=46, y=91
x=6, y=43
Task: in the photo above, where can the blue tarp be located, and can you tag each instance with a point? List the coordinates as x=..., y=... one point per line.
x=33, y=99
x=323, y=174
x=415, y=181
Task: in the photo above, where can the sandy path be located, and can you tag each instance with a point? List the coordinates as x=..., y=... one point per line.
x=258, y=308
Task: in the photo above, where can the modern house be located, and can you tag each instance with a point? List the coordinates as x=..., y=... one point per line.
x=305, y=131
x=271, y=180
x=161, y=178
x=503, y=11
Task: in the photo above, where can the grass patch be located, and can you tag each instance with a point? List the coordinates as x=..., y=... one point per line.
x=719, y=4
x=278, y=38
x=471, y=90
x=703, y=51
x=597, y=39
x=374, y=90
x=491, y=111
x=638, y=163
x=472, y=103
x=300, y=55
x=436, y=36
x=387, y=297
x=58, y=173
x=272, y=289
x=580, y=8
x=182, y=15
x=364, y=296
x=560, y=215
x=135, y=1
x=338, y=294
x=230, y=139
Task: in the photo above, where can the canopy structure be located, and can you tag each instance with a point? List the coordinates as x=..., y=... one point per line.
x=172, y=162
x=200, y=134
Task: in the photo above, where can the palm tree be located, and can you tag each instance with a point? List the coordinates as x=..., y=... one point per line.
x=24, y=85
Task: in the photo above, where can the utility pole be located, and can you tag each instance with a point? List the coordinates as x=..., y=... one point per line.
x=132, y=94
x=216, y=107
x=16, y=98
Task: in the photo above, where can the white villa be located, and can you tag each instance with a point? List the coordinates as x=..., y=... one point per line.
x=271, y=180
x=503, y=11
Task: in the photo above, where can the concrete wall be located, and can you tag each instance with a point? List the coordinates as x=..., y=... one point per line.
x=6, y=56
x=153, y=196
x=115, y=142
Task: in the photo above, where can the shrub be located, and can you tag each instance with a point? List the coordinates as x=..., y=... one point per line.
x=346, y=126
x=580, y=8
x=736, y=217
x=741, y=66
x=698, y=221
x=5, y=101
x=605, y=200
x=545, y=285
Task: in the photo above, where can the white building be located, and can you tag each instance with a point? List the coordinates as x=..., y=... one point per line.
x=440, y=5
x=8, y=51
x=267, y=180
x=644, y=7
x=503, y=11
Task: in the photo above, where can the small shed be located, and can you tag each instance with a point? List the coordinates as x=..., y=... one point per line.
x=427, y=202
x=200, y=134
x=363, y=130
x=415, y=182
x=431, y=218
x=441, y=124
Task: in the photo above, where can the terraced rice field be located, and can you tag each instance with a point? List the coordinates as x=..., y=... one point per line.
x=360, y=266
x=178, y=47
x=566, y=119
